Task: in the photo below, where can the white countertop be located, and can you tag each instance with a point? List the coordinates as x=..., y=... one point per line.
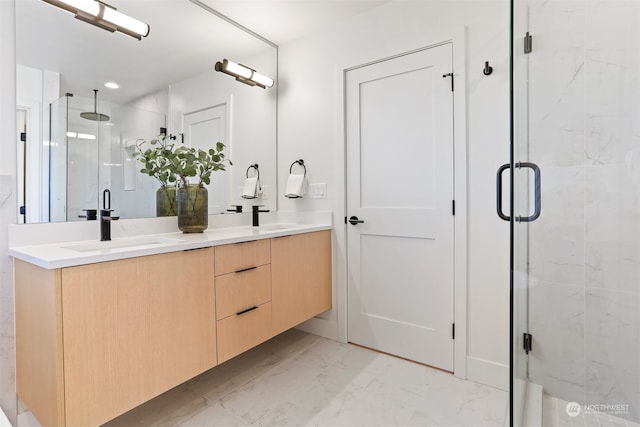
x=68, y=254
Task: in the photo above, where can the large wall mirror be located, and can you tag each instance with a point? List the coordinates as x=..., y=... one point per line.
x=167, y=83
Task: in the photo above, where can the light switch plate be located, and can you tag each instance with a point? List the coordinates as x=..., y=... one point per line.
x=318, y=190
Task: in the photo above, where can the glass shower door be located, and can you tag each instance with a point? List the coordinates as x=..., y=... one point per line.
x=576, y=268
x=57, y=188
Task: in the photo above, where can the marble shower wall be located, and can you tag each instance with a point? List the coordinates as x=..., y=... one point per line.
x=584, y=260
x=7, y=333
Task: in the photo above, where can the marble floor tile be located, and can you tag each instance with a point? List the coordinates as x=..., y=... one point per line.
x=554, y=414
x=299, y=379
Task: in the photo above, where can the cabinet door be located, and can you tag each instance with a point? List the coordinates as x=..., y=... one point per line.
x=133, y=329
x=301, y=278
x=39, y=381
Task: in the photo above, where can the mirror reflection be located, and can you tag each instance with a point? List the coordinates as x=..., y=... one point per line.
x=80, y=135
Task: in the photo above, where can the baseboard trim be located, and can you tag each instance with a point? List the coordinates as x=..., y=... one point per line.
x=487, y=372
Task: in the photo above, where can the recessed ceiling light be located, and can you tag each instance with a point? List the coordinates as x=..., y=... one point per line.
x=112, y=85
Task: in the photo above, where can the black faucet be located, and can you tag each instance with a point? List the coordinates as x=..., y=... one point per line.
x=236, y=209
x=105, y=216
x=255, y=210
x=90, y=214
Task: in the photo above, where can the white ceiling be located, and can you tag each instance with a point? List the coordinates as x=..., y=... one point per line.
x=184, y=39
x=282, y=21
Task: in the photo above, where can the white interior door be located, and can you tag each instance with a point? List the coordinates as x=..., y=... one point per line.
x=400, y=183
x=202, y=129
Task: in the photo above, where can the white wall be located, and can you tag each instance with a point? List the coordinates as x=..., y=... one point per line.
x=310, y=128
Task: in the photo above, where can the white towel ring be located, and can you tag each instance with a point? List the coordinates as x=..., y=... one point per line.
x=301, y=163
x=253, y=167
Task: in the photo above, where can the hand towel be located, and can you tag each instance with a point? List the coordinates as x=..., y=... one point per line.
x=252, y=188
x=295, y=186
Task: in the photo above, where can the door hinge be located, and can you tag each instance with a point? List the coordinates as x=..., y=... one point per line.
x=449, y=75
x=453, y=207
x=527, y=342
x=23, y=210
x=528, y=43
x=345, y=219
x=23, y=136
x=453, y=331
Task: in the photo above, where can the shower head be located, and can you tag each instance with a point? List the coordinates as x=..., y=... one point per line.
x=94, y=115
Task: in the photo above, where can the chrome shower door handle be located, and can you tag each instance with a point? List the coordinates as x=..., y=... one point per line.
x=537, y=192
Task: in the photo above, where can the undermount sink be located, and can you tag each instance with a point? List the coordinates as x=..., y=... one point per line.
x=269, y=227
x=120, y=243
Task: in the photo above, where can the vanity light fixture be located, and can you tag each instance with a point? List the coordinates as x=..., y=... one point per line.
x=104, y=16
x=244, y=74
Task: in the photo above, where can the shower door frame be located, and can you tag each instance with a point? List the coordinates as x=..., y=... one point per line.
x=520, y=206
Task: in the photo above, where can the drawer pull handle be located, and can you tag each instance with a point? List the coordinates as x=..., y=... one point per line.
x=246, y=311
x=246, y=269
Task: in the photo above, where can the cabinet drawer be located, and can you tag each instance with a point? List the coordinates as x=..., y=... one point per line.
x=238, y=291
x=239, y=333
x=238, y=256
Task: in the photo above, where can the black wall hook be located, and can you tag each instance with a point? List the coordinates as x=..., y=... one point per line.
x=488, y=69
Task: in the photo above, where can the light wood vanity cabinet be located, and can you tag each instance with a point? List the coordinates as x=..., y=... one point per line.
x=97, y=340
x=301, y=278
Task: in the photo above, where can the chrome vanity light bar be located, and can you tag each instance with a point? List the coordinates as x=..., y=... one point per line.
x=244, y=74
x=104, y=16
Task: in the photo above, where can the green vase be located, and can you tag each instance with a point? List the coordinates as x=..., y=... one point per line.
x=166, y=201
x=193, y=212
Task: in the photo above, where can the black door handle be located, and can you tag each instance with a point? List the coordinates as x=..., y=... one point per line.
x=354, y=220
x=537, y=190
x=501, y=170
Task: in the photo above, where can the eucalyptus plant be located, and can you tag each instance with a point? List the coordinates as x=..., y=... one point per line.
x=188, y=162
x=168, y=164
x=156, y=157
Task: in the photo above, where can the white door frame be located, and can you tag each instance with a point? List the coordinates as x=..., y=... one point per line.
x=457, y=38
x=33, y=173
